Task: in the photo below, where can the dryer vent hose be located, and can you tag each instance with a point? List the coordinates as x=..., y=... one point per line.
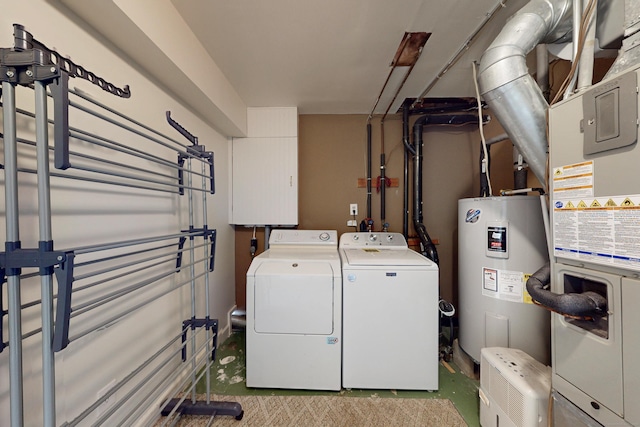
x=585, y=305
x=429, y=248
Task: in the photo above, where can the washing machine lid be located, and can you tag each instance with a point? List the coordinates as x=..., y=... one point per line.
x=373, y=256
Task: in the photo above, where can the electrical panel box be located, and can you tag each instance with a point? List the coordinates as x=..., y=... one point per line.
x=264, y=169
x=610, y=113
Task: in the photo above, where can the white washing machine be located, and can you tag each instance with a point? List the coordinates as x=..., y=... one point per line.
x=390, y=314
x=294, y=312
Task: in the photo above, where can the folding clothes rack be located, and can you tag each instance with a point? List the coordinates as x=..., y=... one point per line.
x=114, y=278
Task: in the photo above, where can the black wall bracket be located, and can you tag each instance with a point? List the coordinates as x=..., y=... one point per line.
x=193, y=323
x=48, y=261
x=195, y=150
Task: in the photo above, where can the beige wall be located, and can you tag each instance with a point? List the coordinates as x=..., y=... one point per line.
x=332, y=156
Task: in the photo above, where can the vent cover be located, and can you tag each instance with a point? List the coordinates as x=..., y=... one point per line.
x=514, y=389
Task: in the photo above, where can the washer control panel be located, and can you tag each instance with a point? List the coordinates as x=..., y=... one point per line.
x=364, y=239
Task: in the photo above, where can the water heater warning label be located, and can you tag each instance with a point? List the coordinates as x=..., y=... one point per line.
x=505, y=284
x=602, y=230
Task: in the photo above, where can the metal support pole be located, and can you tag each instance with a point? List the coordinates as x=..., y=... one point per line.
x=206, y=277
x=13, y=239
x=192, y=270
x=46, y=244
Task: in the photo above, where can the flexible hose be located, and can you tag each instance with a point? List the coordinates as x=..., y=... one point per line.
x=583, y=305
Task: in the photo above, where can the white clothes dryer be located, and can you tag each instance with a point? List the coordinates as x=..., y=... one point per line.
x=294, y=312
x=390, y=314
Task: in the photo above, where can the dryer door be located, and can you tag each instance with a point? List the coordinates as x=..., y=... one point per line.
x=294, y=298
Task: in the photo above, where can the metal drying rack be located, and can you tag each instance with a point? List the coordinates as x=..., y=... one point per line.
x=114, y=278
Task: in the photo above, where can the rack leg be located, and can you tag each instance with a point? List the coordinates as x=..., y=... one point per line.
x=200, y=407
x=13, y=238
x=46, y=274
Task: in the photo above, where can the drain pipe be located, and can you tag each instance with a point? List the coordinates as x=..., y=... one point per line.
x=429, y=249
x=509, y=89
x=485, y=166
x=383, y=180
x=407, y=149
x=369, y=168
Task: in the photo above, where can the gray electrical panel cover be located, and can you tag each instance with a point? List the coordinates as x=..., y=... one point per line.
x=610, y=113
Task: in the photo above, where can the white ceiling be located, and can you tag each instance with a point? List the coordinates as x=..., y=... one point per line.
x=323, y=56
x=333, y=56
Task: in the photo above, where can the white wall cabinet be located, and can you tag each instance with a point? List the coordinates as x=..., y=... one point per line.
x=265, y=169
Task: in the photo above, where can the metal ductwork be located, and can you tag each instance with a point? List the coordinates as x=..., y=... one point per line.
x=508, y=88
x=629, y=54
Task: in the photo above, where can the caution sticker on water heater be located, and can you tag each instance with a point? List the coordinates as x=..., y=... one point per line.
x=504, y=284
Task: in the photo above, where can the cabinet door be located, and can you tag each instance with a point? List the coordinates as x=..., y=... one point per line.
x=264, y=181
x=631, y=348
x=590, y=361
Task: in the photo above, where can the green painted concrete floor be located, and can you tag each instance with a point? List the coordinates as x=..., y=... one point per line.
x=228, y=378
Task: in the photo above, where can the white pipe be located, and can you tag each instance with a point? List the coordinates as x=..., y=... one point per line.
x=585, y=70
x=547, y=225
x=577, y=18
x=461, y=50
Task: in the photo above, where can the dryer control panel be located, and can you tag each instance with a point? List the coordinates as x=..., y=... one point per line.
x=303, y=237
x=364, y=239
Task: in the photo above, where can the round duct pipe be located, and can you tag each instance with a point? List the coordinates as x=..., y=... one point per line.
x=505, y=82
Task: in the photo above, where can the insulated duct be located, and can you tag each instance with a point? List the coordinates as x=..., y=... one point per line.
x=578, y=305
x=508, y=88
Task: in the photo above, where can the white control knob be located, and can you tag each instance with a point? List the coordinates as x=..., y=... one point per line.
x=324, y=236
x=373, y=237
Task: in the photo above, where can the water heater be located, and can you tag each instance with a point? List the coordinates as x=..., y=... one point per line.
x=501, y=241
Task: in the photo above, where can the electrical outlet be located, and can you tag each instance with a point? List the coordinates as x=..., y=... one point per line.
x=353, y=209
x=352, y=223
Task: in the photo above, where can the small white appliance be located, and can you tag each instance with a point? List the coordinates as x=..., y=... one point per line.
x=514, y=389
x=390, y=314
x=294, y=311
